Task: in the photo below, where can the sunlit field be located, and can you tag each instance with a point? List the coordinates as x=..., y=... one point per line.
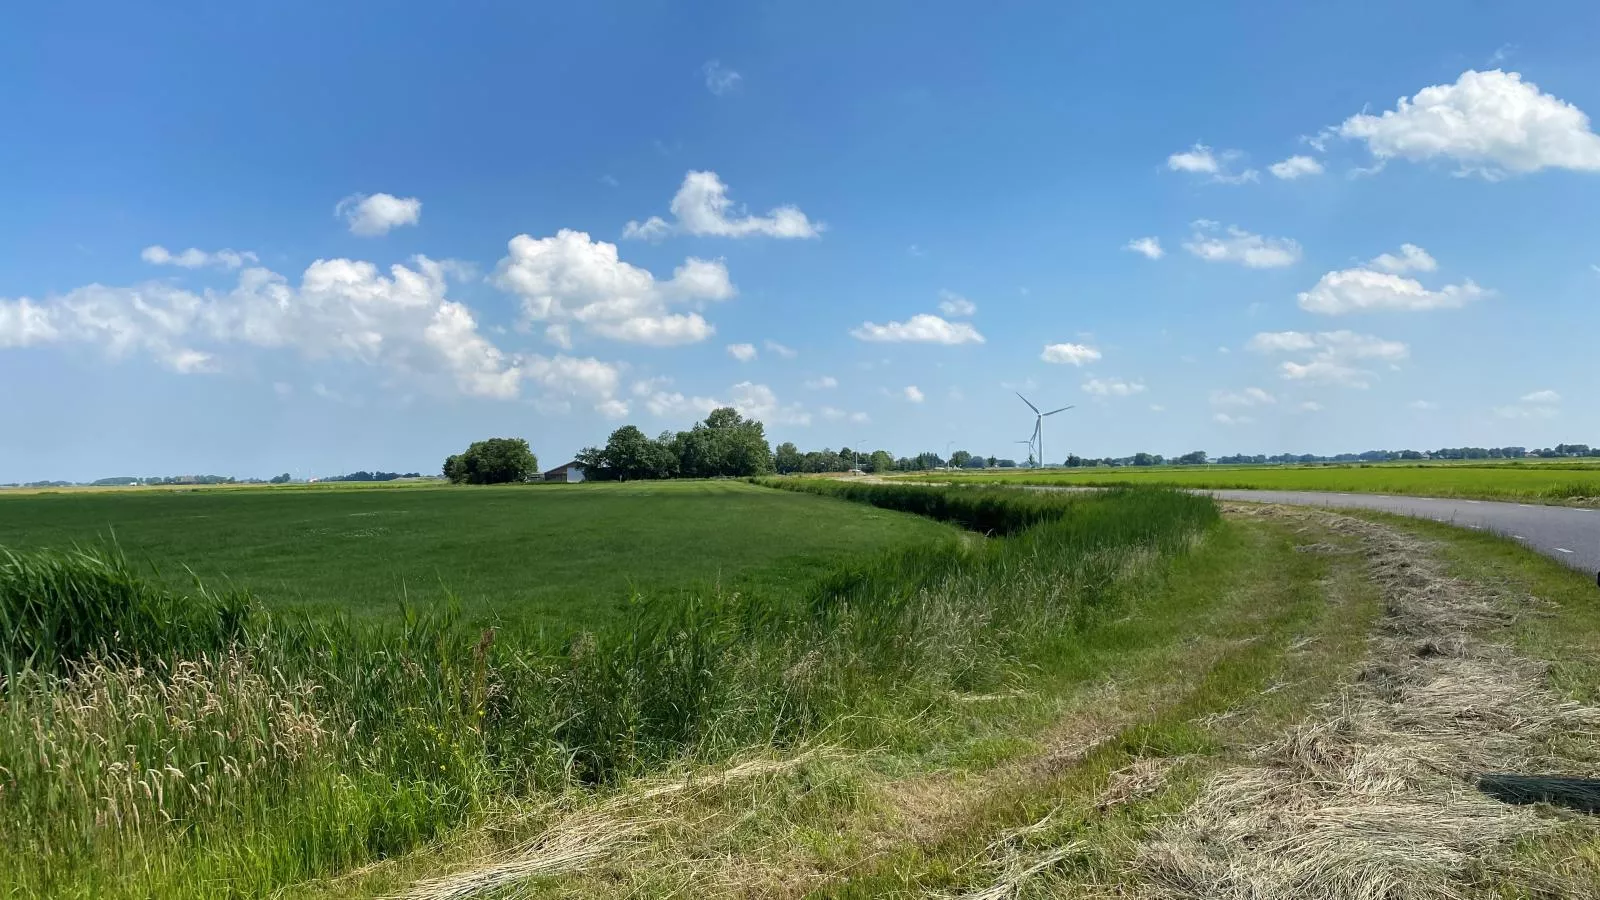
x=540, y=554
x=1553, y=481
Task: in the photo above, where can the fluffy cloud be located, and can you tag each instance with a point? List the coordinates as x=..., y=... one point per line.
x=1411, y=258
x=1281, y=341
x=1069, y=354
x=194, y=258
x=953, y=304
x=1148, y=247
x=1335, y=355
x=756, y=401
x=1201, y=160
x=702, y=207
x=779, y=349
x=1112, y=387
x=720, y=79
x=1295, y=167
x=570, y=280
x=912, y=393
x=1422, y=405
x=1490, y=123
x=346, y=310
x=1251, y=396
x=1234, y=244
x=370, y=215
x=834, y=414
x=823, y=383
x=1223, y=418
x=1366, y=288
x=1536, y=405
x=1310, y=406
x=922, y=328
x=742, y=352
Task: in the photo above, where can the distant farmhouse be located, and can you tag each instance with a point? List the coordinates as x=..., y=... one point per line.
x=571, y=473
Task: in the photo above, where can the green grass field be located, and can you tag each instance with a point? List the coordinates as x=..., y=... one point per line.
x=1563, y=481
x=555, y=555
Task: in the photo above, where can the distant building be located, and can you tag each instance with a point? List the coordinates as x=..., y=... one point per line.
x=571, y=473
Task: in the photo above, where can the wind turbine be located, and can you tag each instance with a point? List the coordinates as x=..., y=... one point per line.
x=1029, y=442
x=1038, y=424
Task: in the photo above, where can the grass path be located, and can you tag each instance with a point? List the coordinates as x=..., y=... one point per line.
x=1091, y=774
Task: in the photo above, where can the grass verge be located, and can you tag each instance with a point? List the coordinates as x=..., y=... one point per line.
x=306, y=748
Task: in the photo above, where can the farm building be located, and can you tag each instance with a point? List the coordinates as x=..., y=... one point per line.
x=572, y=473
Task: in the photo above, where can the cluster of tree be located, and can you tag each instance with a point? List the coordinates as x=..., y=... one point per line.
x=364, y=475
x=494, y=461
x=724, y=444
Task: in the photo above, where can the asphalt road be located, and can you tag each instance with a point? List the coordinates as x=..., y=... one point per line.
x=1571, y=535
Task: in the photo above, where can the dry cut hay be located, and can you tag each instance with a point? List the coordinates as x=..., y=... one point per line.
x=604, y=833
x=1374, y=801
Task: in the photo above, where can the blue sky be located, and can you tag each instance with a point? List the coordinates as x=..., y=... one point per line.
x=1375, y=228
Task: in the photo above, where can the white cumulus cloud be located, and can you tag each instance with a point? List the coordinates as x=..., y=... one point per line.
x=1202, y=160
x=194, y=258
x=823, y=383
x=1367, y=289
x=702, y=207
x=1234, y=244
x=1334, y=355
x=922, y=328
x=912, y=393
x=1410, y=258
x=1069, y=354
x=1295, y=167
x=742, y=352
x=779, y=349
x=570, y=280
x=347, y=310
x=1489, y=123
x=1112, y=387
x=953, y=304
x=1543, y=404
x=370, y=215
x=1148, y=247
x=1223, y=418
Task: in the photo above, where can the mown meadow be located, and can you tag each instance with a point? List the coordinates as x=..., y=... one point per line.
x=167, y=737
x=1560, y=481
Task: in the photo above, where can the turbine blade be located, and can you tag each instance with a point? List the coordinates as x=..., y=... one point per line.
x=1025, y=400
x=1054, y=411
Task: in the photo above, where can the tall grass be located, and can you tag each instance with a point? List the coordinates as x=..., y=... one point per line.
x=299, y=747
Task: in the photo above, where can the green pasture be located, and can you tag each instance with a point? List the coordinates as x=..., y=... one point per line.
x=544, y=554
x=1564, y=481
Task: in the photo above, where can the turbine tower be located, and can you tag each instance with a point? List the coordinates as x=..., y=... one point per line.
x=1038, y=424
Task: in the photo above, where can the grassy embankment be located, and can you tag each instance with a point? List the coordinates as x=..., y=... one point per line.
x=554, y=555
x=155, y=743
x=1564, y=481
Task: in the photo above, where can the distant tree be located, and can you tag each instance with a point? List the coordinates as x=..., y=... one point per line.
x=1006, y=463
x=1143, y=459
x=927, y=459
x=1195, y=458
x=786, y=458
x=993, y=462
x=975, y=462
x=279, y=479
x=494, y=461
x=959, y=458
x=881, y=461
